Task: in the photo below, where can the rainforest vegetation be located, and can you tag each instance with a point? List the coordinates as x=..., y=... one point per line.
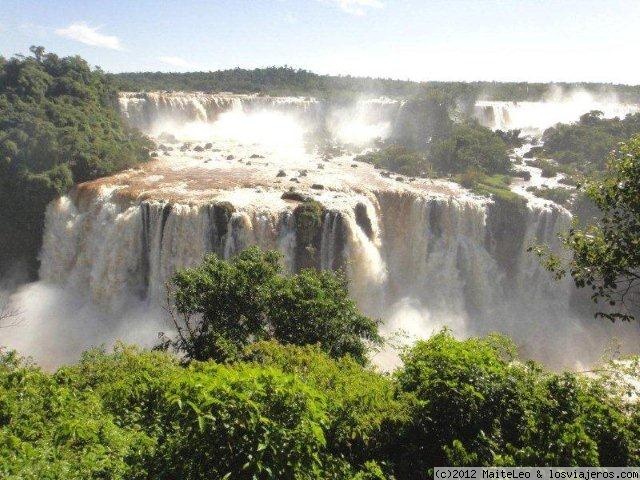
x=268, y=375
x=290, y=81
x=293, y=405
x=59, y=125
x=584, y=146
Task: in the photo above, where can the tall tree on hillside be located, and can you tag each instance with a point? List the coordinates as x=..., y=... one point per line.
x=605, y=255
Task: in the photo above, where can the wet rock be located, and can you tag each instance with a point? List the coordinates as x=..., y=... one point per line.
x=255, y=155
x=363, y=220
x=354, y=165
x=294, y=180
x=281, y=173
x=220, y=214
x=297, y=196
x=320, y=166
x=303, y=173
x=317, y=186
x=198, y=148
x=167, y=137
x=230, y=157
x=308, y=218
x=208, y=146
x=524, y=174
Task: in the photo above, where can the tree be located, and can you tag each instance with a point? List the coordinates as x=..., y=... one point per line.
x=605, y=255
x=9, y=316
x=223, y=306
x=470, y=146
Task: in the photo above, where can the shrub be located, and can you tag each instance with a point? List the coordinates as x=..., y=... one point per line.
x=366, y=410
x=478, y=405
x=559, y=195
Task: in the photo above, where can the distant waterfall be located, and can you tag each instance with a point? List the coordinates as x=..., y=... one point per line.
x=534, y=117
x=142, y=110
x=147, y=109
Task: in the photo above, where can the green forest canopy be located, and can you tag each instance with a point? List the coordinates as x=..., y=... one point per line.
x=59, y=125
x=585, y=145
x=290, y=81
x=305, y=411
x=293, y=412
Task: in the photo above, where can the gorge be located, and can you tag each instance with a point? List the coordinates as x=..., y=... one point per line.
x=236, y=170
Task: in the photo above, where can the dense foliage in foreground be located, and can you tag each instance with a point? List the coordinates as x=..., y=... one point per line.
x=58, y=126
x=293, y=412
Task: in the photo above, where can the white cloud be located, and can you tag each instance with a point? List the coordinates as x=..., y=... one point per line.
x=83, y=33
x=175, y=62
x=356, y=7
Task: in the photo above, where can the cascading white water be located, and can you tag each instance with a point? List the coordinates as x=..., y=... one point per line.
x=146, y=109
x=418, y=254
x=357, y=123
x=534, y=117
x=432, y=254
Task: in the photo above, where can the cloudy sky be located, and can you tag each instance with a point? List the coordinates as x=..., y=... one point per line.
x=509, y=40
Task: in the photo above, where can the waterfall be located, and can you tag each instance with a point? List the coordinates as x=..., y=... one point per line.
x=144, y=110
x=534, y=117
x=418, y=254
x=359, y=122
x=437, y=254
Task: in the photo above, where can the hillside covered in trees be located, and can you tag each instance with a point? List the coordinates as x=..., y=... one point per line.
x=290, y=81
x=583, y=146
x=58, y=126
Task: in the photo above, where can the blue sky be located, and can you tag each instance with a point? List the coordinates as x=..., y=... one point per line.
x=526, y=40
